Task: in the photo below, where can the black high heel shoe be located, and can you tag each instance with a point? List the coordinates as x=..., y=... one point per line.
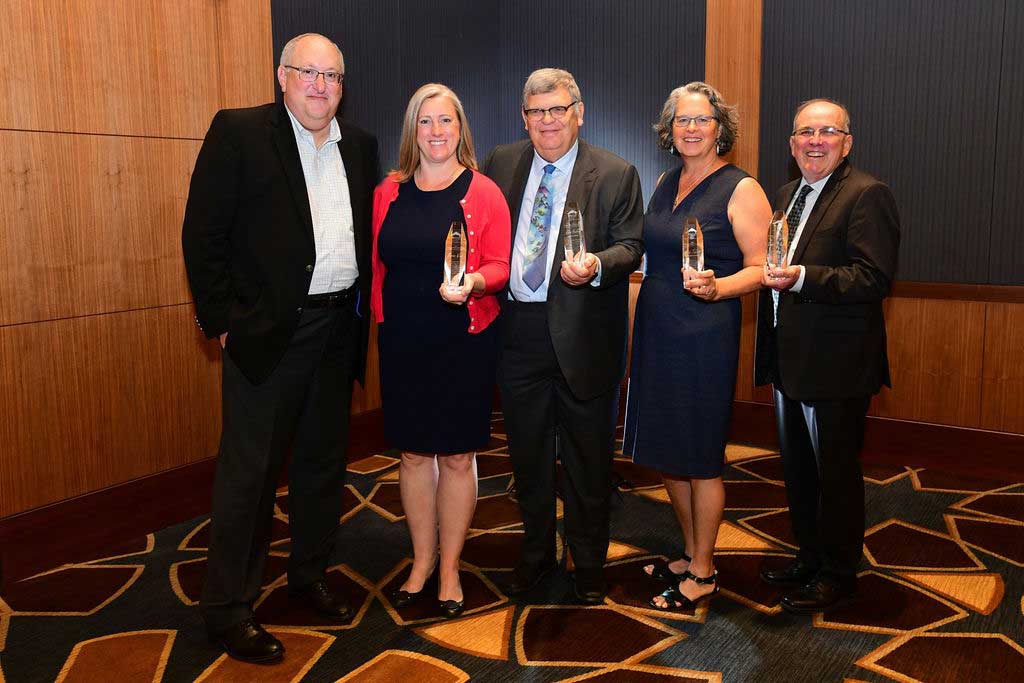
x=452, y=608
x=662, y=572
x=403, y=598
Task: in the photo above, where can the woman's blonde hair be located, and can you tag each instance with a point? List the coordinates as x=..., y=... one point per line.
x=409, y=152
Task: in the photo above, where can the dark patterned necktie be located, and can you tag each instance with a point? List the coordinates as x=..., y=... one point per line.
x=792, y=223
x=793, y=219
x=535, y=260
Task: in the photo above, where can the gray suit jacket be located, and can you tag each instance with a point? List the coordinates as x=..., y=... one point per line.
x=588, y=325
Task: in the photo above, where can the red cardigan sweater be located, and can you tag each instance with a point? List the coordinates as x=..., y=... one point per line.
x=489, y=230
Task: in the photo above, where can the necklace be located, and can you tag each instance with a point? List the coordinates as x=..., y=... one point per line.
x=423, y=184
x=681, y=194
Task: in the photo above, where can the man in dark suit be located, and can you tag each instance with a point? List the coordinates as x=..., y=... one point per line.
x=564, y=328
x=276, y=241
x=821, y=343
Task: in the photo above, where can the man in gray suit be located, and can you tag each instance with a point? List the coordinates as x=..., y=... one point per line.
x=565, y=327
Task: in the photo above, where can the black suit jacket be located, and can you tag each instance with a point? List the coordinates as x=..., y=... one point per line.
x=830, y=339
x=248, y=232
x=588, y=325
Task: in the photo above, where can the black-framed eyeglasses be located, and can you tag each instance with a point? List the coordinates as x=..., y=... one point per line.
x=310, y=75
x=559, y=112
x=699, y=121
x=826, y=133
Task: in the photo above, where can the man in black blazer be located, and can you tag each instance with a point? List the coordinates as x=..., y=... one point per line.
x=821, y=343
x=276, y=241
x=564, y=327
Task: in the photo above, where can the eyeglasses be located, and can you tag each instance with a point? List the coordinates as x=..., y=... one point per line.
x=558, y=112
x=700, y=121
x=826, y=133
x=310, y=75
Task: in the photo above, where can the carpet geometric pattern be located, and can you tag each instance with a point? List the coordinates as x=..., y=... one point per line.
x=942, y=585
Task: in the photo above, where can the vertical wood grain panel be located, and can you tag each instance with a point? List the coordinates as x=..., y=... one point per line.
x=732, y=64
x=91, y=224
x=1003, y=383
x=367, y=397
x=935, y=358
x=108, y=66
x=103, y=376
x=99, y=400
x=247, y=60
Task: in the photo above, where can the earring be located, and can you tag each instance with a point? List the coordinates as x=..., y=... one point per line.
x=673, y=151
x=718, y=147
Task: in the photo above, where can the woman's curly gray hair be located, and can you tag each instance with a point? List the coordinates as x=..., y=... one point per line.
x=727, y=115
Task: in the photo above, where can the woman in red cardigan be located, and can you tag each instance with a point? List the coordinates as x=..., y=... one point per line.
x=438, y=347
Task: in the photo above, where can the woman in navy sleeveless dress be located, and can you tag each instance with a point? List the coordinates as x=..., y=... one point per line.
x=686, y=329
x=438, y=347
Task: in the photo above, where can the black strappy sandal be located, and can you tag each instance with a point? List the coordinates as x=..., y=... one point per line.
x=662, y=572
x=676, y=601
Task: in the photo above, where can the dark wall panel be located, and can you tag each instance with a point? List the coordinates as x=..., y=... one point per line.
x=625, y=56
x=921, y=79
x=1007, y=254
x=369, y=35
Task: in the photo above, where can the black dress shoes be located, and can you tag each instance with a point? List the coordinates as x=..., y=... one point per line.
x=248, y=642
x=526, y=576
x=796, y=573
x=819, y=594
x=319, y=598
x=590, y=586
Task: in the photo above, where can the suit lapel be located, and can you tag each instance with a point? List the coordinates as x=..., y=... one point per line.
x=352, y=159
x=828, y=195
x=584, y=175
x=288, y=153
x=518, y=186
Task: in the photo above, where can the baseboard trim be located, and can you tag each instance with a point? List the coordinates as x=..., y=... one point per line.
x=919, y=444
x=97, y=524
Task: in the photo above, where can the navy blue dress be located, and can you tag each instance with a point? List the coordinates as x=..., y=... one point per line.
x=685, y=350
x=437, y=379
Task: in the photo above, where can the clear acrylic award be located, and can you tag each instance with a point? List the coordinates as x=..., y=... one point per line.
x=778, y=241
x=575, y=243
x=693, y=247
x=455, y=256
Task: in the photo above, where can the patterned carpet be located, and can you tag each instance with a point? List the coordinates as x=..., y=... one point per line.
x=943, y=580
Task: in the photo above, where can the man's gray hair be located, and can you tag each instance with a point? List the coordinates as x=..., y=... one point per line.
x=543, y=81
x=289, y=49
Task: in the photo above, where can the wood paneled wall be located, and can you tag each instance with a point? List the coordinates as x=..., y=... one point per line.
x=954, y=351
x=103, y=375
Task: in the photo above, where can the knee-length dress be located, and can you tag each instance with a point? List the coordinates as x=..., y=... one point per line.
x=437, y=379
x=685, y=350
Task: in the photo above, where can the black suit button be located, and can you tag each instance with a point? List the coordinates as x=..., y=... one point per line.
x=309, y=268
x=299, y=309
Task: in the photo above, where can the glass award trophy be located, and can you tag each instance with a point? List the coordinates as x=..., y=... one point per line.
x=693, y=247
x=575, y=244
x=778, y=241
x=455, y=256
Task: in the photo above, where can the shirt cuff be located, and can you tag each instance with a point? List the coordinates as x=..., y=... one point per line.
x=596, y=282
x=800, y=280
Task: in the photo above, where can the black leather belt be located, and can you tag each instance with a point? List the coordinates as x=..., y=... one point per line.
x=332, y=299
